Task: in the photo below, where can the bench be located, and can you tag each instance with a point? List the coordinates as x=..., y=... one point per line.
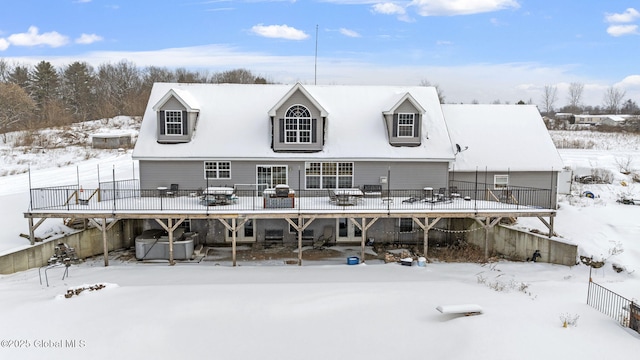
x=273, y=237
x=464, y=309
x=307, y=237
x=372, y=190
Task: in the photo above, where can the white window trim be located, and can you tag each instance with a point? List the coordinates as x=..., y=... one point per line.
x=217, y=170
x=321, y=176
x=286, y=170
x=500, y=181
x=297, y=133
x=412, y=125
x=166, y=122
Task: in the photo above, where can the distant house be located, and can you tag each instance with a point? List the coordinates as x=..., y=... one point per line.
x=385, y=142
x=563, y=116
x=610, y=120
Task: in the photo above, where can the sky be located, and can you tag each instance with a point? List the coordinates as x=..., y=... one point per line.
x=474, y=50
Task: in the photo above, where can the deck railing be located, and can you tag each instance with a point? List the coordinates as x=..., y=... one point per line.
x=116, y=197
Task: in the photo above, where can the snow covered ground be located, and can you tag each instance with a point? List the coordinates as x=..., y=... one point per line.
x=327, y=311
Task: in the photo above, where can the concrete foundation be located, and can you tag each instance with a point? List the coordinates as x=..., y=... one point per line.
x=520, y=245
x=86, y=243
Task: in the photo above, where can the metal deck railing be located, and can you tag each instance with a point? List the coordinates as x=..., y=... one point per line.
x=460, y=197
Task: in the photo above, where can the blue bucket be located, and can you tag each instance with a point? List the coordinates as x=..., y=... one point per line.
x=353, y=260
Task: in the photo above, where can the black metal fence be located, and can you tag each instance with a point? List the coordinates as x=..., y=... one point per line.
x=126, y=196
x=623, y=310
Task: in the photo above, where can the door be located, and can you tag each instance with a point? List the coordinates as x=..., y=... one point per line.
x=246, y=232
x=347, y=231
x=268, y=176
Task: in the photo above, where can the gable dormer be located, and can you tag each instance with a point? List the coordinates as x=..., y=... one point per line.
x=297, y=122
x=404, y=122
x=177, y=115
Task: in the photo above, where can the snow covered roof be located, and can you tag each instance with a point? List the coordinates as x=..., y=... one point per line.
x=501, y=137
x=234, y=123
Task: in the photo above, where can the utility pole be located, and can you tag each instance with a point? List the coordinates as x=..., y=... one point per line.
x=315, y=66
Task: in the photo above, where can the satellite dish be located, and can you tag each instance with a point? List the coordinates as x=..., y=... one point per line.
x=458, y=148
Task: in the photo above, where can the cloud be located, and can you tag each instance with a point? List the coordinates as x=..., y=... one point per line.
x=620, y=30
x=33, y=38
x=86, y=39
x=460, y=7
x=279, y=32
x=631, y=81
x=4, y=44
x=349, y=33
x=627, y=16
x=388, y=9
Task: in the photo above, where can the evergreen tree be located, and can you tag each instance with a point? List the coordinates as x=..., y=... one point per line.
x=44, y=84
x=78, y=92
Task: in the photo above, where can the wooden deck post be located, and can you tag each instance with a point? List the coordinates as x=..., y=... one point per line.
x=32, y=236
x=170, y=232
x=233, y=241
x=364, y=237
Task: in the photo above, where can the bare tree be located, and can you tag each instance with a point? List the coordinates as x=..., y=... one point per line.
x=119, y=87
x=4, y=71
x=17, y=108
x=613, y=99
x=575, y=96
x=237, y=76
x=549, y=98
x=427, y=83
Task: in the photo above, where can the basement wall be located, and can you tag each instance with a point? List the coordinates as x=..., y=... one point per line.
x=87, y=243
x=520, y=245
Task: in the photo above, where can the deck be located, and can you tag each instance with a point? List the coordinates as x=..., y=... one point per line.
x=133, y=203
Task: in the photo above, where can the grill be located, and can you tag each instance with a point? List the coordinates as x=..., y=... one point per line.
x=282, y=191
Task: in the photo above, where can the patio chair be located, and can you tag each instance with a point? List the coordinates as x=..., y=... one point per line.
x=325, y=238
x=173, y=190
x=333, y=198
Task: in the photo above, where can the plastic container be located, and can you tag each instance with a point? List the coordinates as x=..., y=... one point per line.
x=353, y=260
x=422, y=261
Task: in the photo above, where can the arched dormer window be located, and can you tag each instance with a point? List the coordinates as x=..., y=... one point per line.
x=297, y=125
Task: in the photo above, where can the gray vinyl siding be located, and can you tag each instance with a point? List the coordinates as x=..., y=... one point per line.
x=190, y=174
x=530, y=179
x=298, y=98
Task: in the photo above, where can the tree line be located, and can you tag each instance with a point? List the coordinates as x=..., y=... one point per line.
x=42, y=95
x=612, y=101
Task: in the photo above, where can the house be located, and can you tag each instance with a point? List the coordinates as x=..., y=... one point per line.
x=397, y=143
x=604, y=119
x=315, y=165
x=507, y=146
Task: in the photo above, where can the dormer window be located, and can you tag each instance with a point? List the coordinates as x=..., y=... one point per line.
x=177, y=116
x=297, y=125
x=173, y=122
x=406, y=124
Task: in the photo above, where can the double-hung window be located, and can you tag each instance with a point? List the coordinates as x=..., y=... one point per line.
x=297, y=125
x=500, y=181
x=217, y=170
x=329, y=175
x=173, y=122
x=405, y=124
